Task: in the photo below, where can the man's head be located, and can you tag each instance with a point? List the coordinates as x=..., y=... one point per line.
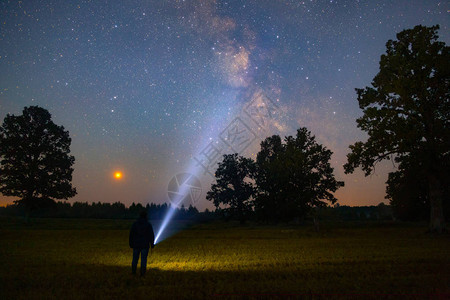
x=143, y=214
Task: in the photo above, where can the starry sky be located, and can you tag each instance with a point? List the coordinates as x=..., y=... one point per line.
x=157, y=88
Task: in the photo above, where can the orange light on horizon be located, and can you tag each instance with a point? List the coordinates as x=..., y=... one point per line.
x=118, y=175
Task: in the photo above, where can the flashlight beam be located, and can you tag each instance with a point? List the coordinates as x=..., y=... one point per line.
x=183, y=190
x=166, y=220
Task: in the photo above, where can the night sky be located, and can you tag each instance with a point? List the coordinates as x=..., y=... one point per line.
x=151, y=88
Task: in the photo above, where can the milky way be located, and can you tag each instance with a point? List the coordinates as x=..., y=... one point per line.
x=148, y=87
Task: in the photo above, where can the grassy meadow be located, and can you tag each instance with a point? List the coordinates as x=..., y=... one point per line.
x=90, y=259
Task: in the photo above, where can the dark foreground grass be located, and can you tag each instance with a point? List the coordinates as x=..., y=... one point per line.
x=90, y=259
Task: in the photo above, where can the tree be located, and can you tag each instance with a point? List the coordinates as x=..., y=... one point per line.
x=293, y=177
x=270, y=194
x=35, y=164
x=407, y=191
x=234, y=187
x=407, y=110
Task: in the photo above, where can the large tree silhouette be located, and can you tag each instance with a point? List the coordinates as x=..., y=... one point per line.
x=407, y=191
x=234, y=188
x=293, y=177
x=35, y=164
x=407, y=110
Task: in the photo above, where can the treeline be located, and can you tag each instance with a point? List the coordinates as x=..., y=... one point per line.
x=292, y=180
x=118, y=210
x=355, y=213
x=289, y=180
x=100, y=210
x=380, y=212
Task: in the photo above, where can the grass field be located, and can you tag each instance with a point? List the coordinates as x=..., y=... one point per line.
x=90, y=259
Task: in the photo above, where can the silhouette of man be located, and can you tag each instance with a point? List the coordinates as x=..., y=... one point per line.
x=141, y=238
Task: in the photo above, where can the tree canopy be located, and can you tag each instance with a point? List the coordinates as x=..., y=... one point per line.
x=234, y=187
x=406, y=112
x=287, y=180
x=35, y=160
x=293, y=177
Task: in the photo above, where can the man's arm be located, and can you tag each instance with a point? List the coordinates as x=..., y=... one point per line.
x=132, y=233
x=151, y=236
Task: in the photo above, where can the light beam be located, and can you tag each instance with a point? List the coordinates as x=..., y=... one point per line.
x=217, y=125
x=182, y=192
x=166, y=220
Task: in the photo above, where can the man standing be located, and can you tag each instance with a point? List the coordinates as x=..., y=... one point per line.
x=141, y=238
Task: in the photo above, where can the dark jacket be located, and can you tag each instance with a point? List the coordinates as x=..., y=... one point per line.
x=141, y=234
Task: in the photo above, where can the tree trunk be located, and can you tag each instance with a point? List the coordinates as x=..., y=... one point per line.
x=437, y=221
